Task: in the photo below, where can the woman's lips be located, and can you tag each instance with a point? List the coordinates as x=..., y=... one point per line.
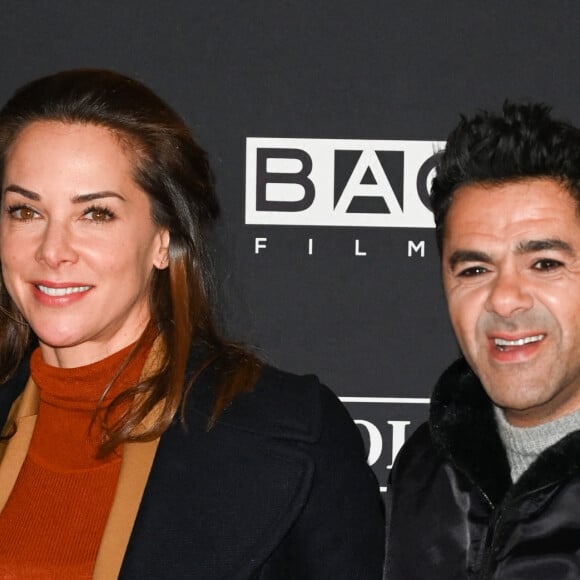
x=60, y=294
x=64, y=291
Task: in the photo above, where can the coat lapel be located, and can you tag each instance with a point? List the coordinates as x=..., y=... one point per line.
x=135, y=467
x=22, y=416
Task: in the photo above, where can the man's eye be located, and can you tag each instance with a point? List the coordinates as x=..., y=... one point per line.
x=472, y=271
x=547, y=264
x=22, y=212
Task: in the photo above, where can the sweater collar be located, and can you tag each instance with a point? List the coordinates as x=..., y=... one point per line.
x=82, y=387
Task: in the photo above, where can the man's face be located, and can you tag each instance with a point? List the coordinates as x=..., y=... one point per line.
x=511, y=273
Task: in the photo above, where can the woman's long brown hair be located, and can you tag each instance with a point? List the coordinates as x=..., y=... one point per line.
x=172, y=169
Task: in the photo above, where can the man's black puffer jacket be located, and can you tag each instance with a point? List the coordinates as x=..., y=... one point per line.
x=453, y=510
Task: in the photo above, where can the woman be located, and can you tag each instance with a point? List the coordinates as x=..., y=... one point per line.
x=138, y=442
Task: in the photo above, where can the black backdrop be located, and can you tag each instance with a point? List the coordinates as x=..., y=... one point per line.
x=372, y=326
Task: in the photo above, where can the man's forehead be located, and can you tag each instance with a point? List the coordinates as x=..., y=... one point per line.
x=523, y=200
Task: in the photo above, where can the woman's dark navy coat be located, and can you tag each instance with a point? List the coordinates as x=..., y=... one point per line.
x=278, y=489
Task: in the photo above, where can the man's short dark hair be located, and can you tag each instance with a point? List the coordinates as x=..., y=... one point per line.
x=521, y=142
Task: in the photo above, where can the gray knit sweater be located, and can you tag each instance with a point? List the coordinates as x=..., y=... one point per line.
x=524, y=444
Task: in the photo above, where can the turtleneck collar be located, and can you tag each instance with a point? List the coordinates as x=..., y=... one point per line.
x=66, y=437
x=79, y=387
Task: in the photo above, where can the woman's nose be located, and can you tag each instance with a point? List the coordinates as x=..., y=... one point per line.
x=55, y=245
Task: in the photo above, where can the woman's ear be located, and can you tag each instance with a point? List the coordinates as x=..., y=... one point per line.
x=161, y=259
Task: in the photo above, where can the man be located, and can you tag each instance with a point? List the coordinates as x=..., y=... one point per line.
x=490, y=487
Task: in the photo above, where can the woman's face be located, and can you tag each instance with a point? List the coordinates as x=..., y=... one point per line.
x=77, y=242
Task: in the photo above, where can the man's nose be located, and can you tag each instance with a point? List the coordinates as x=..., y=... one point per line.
x=508, y=294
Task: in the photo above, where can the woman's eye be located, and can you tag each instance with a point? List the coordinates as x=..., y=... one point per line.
x=22, y=213
x=98, y=214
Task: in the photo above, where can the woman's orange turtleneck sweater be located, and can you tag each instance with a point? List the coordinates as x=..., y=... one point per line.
x=52, y=524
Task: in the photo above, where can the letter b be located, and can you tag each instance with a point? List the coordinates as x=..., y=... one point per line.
x=263, y=177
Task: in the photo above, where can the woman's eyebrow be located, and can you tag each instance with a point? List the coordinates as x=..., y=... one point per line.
x=81, y=198
x=24, y=192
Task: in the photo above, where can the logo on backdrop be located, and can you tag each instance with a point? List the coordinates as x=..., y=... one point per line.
x=339, y=182
x=356, y=183
x=385, y=424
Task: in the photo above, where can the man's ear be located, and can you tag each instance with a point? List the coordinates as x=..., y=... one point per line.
x=161, y=259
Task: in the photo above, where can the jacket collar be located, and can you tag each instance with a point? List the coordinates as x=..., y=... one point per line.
x=464, y=430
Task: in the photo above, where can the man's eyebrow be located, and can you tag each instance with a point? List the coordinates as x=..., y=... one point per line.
x=81, y=198
x=459, y=256
x=530, y=246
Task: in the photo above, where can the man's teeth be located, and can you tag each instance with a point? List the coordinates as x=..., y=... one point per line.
x=502, y=342
x=62, y=291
